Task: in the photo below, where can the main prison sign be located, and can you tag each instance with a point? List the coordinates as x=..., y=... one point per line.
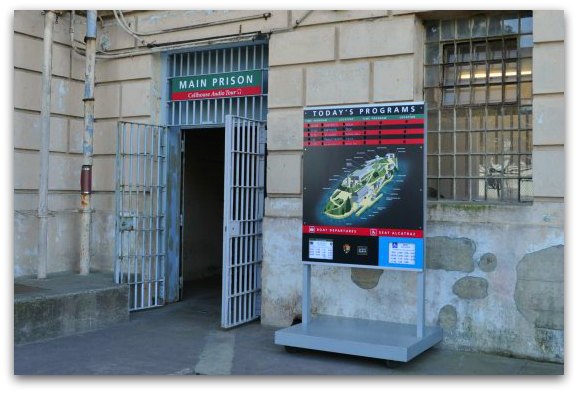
x=230, y=84
x=363, y=185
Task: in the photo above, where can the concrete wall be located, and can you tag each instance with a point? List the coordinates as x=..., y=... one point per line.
x=549, y=105
x=126, y=89
x=65, y=142
x=495, y=272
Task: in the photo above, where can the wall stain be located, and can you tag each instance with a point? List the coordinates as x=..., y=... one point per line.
x=365, y=278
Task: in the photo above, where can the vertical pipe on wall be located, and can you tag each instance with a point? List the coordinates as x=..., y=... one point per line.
x=87, y=145
x=49, y=19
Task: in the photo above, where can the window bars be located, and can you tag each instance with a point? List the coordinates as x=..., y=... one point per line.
x=478, y=88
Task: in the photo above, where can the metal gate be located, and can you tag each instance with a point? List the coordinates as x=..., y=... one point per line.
x=243, y=220
x=141, y=213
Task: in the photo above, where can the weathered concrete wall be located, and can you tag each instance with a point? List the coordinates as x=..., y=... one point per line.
x=510, y=307
x=481, y=258
x=126, y=89
x=65, y=142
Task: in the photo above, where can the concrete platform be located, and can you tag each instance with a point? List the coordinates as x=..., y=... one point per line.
x=360, y=337
x=65, y=304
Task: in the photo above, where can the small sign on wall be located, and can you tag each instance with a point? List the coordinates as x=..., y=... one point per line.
x=363, y=185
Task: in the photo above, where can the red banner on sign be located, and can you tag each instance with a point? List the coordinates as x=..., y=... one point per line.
x=356, y=231
x=218, y=93
x=409, y=141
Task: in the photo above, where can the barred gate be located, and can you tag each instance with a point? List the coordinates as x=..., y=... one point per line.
x=141, y=213
x=243, y=220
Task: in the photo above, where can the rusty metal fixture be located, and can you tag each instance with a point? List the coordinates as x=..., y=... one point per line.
x=86, y=180
x=84, y=201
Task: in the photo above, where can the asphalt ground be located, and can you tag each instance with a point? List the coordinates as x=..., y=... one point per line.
x=185, y=338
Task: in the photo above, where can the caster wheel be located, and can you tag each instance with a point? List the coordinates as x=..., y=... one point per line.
x=392, y=363
x=289, y=349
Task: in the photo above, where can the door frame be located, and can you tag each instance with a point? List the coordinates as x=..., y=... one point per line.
x=173, y=191
x=175, y=149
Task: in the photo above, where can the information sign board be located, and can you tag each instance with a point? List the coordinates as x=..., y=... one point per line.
x=363, y=185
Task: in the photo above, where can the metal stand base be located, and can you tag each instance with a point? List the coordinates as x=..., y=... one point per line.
x=361, y=337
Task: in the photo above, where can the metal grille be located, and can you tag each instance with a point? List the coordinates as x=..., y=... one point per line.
x=213, y=111
x=140, y=213
x=478, y=88
x=243, y=220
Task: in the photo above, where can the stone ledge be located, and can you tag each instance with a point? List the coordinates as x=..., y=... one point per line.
x=66, y=304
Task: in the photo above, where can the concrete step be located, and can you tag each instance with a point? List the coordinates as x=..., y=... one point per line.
x=65, y=304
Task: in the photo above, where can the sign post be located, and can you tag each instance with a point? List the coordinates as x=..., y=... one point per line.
x=364, y=182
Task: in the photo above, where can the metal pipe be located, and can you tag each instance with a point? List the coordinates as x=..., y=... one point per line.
x=87, y=144
x=138, y=34
x=300, y=20
x=49, y=19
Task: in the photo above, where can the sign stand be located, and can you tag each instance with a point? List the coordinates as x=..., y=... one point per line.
x=361, y=337
x=351, y=231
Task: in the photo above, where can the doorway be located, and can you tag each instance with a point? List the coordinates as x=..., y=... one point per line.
x=202, y=197
x=215, y=214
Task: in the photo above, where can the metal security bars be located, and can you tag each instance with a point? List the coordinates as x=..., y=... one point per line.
x=140, y=213
x=478, y=88
x=214, y=61
x=243, y=220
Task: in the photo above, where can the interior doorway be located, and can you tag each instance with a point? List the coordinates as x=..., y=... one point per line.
x=218, y=188
x=203, y=168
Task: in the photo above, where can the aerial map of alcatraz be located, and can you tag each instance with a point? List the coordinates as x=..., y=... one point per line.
x=360, y=189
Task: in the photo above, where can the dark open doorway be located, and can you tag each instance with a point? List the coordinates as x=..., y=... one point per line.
x=202, y=213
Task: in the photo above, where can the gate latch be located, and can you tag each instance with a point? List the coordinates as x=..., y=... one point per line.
x=234, y=228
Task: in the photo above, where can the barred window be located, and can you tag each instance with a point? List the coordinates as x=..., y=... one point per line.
x=478, y=89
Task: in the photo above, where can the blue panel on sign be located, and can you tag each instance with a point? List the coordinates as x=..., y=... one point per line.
x=401, y=253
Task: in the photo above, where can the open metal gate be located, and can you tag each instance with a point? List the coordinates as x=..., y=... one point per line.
x=141, y=213
x=243, y=220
